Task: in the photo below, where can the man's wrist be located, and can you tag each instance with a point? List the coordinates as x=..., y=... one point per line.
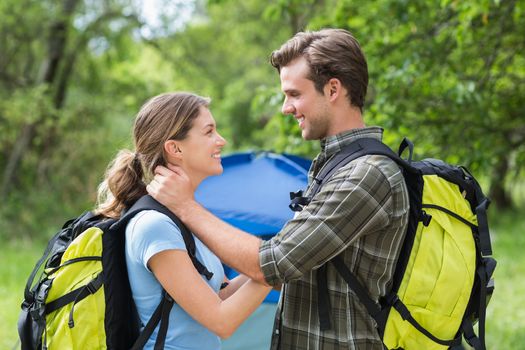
x=183, y=211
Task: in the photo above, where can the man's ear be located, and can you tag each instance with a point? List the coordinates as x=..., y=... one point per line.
x=172, y=150
x=333, y=89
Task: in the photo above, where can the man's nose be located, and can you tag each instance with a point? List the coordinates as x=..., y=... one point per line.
x=287, y=108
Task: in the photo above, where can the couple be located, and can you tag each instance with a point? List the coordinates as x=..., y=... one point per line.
x=360, y=214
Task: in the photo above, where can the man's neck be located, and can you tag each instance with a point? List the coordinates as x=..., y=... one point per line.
x=345, y=120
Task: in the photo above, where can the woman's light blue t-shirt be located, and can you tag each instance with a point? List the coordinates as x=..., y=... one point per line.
x=147, y=234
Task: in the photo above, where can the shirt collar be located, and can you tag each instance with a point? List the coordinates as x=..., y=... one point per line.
x=333, y=144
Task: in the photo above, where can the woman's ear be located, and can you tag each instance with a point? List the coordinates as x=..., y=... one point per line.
x=172, y=150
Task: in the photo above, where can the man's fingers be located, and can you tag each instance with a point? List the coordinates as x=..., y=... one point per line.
x=162, y=170
x=152, y=187
x=169, y=170
x=170, y=185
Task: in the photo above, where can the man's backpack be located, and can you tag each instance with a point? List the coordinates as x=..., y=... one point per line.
x=443, y=278
x=82, y=298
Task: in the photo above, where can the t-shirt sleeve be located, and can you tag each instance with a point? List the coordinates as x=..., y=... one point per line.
x=151, y=233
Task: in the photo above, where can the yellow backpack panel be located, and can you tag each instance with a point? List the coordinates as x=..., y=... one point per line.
x=87, y=314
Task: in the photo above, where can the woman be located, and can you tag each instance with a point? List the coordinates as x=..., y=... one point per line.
x=175, y=128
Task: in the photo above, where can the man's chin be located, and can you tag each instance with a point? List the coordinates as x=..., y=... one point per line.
x=308, y=136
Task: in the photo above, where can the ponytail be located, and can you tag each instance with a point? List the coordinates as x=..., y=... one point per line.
x=122, y=186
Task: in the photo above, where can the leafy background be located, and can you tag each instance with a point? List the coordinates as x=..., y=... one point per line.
x=449, y=74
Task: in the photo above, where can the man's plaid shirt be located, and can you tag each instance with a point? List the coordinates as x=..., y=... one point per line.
x=360, y=213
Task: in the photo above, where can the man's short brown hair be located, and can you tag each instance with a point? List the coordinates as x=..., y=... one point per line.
x=330, y=53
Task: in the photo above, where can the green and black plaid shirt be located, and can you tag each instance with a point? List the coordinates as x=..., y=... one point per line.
x=360, y=213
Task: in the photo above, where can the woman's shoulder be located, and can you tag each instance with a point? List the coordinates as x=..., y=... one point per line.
x=151, y=218
x=152, y=223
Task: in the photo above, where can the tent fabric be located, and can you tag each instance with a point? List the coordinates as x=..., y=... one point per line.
x=253, y=193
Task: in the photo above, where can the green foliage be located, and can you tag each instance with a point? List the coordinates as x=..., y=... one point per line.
x=23, y=106
x=58, y=130
x=448, y=74
x=225, y=56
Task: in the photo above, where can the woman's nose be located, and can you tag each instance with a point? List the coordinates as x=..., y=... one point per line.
x=221, y=141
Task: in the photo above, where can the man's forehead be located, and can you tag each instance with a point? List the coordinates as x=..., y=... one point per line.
x=296, y=81
x=295, y=69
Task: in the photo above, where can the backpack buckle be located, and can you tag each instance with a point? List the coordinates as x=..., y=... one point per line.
x=92, y=289
x=425, y=218
x=168, y=297
x=298, y=201
x=37, y=312
x=473, y=341
x=296, y=194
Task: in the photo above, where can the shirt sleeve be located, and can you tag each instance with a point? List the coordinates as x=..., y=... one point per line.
x=355, y=201
x=151, y=233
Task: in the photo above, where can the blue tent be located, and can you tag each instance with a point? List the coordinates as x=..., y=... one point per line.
x=253, y=194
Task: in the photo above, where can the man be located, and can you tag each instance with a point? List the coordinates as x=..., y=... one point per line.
x=360, y=213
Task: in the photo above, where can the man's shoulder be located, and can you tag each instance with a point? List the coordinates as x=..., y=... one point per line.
x=372, y=165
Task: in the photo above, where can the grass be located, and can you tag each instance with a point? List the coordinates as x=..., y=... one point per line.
x=17, y=259
x=505, y=314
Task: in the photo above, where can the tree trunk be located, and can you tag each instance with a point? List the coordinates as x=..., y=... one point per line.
x=497, y=193
x=56, y=51
x=58, y=40
x=21, y=145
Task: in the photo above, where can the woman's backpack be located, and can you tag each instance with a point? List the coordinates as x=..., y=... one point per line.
x=443, y=278
x=82, y=298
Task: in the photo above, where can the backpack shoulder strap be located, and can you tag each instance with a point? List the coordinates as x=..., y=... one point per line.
x=160, y=315
x=149, y=203
x=481, y=205
x=356, y=149
x=369, y=146
x=359, y=148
